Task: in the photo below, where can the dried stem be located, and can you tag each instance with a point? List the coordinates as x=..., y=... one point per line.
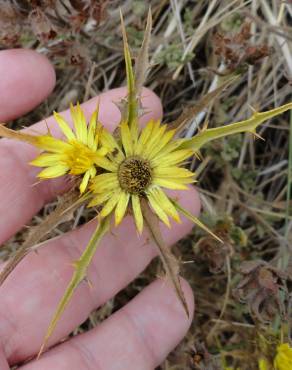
x=68, y=203
x=170, y=263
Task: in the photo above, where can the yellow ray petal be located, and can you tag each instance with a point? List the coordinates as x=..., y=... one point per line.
x=100, y=199
x=79, y=168
x=47, y=160
x=105, y=163
x=91, y=138
x=121, y=207
x=79, y=123
x=64, y=126
x=138, y=217
x=175, y=180
x=104, y=182
x=101, y=151
x=116, y=157
x=144, y=137
x=126, y=139
x=92, y=171
x=169, y=184
x=162, y=143
x=164, y=202
x=172, y=171
x=105, y=178
x=156, y=130
x=51, y=144
x=54, y=171
x=180, y=180
x=172, y=158
x=84, y=182
x=110, y=204
x=283, y=358
x=158, y=210
x=263, y=364
x=170, y=147
x=154, y=141
x=107, y=140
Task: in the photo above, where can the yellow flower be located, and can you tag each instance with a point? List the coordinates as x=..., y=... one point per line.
x=263, y=364
x=283, y=359
x=77, y=154
x=140, y=166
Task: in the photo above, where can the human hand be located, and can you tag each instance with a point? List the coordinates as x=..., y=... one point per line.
x=138, y=336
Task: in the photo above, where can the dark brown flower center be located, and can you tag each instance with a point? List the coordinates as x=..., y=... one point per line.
x=134, y=175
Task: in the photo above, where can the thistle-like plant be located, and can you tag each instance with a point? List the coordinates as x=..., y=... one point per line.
x=127, y=172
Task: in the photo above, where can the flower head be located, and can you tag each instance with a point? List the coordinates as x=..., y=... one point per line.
x=283, y=358
x=77, y=154
x=139, y=166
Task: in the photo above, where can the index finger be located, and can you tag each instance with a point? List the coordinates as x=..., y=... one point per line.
x=27, y=78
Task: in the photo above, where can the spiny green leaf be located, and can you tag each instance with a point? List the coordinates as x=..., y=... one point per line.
x=132, y=100
x=142, y=63
x=194, y=219
x=80, y=266
x=248, y=125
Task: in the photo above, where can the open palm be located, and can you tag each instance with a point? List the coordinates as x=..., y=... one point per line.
x=138, y=336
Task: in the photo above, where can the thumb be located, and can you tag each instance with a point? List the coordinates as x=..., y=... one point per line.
x=3, y=362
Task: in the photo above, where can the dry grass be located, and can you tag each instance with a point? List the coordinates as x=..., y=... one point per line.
x=243, y=183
